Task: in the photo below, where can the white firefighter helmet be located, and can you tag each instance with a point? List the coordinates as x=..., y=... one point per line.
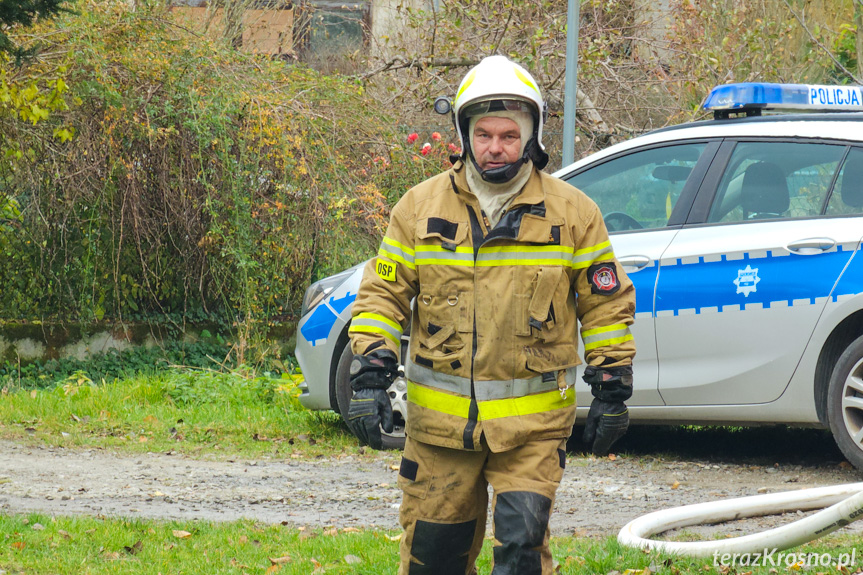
x=497, y=84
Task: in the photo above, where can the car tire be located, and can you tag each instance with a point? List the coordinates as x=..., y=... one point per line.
x=845, y=403
x=397, y=392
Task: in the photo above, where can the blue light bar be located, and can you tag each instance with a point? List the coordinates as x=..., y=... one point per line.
x=763, y=96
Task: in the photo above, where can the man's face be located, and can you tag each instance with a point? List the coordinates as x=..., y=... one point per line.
x=496, y=142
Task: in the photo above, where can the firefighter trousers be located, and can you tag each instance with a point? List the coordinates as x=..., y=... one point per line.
x=445, y=502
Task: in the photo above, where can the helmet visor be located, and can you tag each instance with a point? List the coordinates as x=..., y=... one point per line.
x=486, y=106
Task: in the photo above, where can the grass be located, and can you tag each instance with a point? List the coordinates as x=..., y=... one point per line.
x=37, y=544
x=225, y=415
x=184, y=411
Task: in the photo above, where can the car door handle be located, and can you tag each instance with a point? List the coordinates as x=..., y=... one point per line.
x=811, y=246
x=633, y=263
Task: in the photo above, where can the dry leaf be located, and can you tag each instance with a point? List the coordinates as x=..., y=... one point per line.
x=180, y=534
x=151, y=419
x=134, y=549
x=273, y=569
x=280, y=560
x=244, y=539
x=352, y=559
x=64, y=534
x=332, y=531
x=19, y=545
x=142, y=439
x=395, y=537
x=675, y=485
x=612, y=457
x=350, y=530
x=112, y=556
x=34, y=393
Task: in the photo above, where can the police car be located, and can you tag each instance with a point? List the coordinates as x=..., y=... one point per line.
x=742, y=235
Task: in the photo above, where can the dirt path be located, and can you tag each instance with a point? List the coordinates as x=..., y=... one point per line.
x=596, y=498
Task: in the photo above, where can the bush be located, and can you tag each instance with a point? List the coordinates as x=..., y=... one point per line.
x=178, y=178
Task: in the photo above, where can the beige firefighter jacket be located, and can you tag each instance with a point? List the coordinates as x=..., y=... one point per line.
x=493, y=341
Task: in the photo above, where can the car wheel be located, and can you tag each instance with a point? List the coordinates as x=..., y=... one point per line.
x=845, y=403
x=398, y=393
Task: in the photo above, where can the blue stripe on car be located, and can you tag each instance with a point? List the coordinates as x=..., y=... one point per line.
x=787, y=280
x=319, y=325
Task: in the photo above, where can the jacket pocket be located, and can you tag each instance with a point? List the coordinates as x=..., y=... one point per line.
x=548, y=359
x=439, y=312
x=541, y=311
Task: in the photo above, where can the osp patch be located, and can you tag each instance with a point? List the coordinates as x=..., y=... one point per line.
x=603, y=278
x=386, y=270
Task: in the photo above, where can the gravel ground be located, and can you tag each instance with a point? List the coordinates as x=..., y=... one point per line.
x=597, y=496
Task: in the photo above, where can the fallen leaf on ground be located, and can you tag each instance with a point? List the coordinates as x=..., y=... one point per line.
x=280, y=560
x=135, y=548
x=352, y=559
x=180, y=534
x=19, y=545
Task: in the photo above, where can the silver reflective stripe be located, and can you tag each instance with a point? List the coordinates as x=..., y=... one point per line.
x=602, y=336
x=431, y=255
x=380, y=326
x=485, y=390
x=432, y=378
x=396, y=252
x=560, y=257
x=586, y=259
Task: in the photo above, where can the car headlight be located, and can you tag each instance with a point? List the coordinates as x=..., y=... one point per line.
x=321, y=289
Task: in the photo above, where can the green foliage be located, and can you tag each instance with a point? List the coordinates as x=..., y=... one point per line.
x=17, y=13
x=184, y=410
x=67, y=545
x=115, y=364
x=200, y=184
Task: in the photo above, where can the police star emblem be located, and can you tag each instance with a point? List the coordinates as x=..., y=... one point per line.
x=747, y=280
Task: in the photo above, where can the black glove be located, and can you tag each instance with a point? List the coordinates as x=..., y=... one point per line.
x=370, y=407
x=608, y=418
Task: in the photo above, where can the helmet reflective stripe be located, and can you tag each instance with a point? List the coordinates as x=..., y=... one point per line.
x=498, y=78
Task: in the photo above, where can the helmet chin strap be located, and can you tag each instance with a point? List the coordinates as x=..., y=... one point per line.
x=505, y=173
x=502, y=174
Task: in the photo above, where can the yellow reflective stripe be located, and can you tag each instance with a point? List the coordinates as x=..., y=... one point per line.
x=440, y=401
x=595, y=248
x=527, y=405
x=604, y=329
x=380, y=318
x=397, y=252
x=525, y=79
x=603, y=342
x=399, y=245
x=434, y=248
x=377, y=324
x=459, y=406
x=374, y=329
x=585, y=257
x=466, y=84
x=526, y=249
x=523, y=262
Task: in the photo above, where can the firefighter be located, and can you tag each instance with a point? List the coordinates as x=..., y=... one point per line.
x=492, y=264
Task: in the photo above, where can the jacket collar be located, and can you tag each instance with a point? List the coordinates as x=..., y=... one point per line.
x=531, y=194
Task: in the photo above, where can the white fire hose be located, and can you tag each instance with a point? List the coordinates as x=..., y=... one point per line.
x=846, y=505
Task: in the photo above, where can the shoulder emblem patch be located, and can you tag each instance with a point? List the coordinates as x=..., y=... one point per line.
x=603, y=278
x=386, y=270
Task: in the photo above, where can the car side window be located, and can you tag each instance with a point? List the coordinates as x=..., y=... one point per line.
x=770, y=180
x=639, y=190
x=847, y=196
